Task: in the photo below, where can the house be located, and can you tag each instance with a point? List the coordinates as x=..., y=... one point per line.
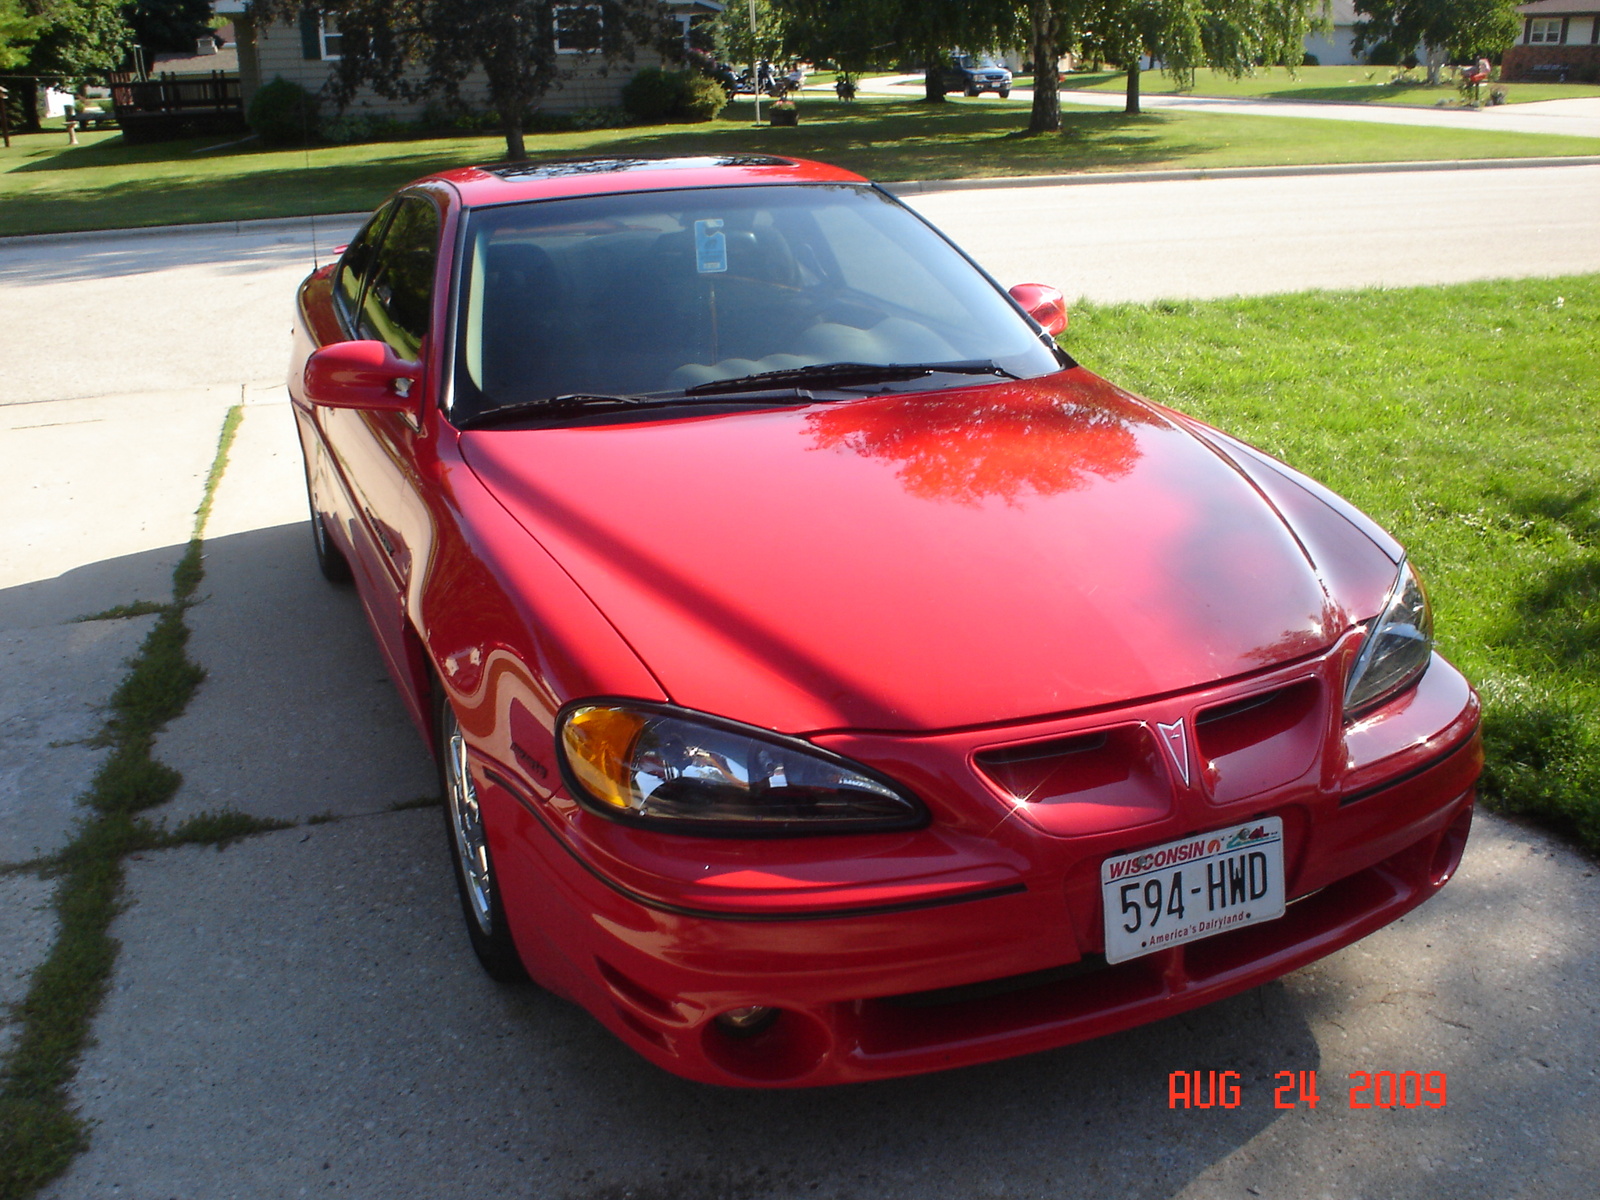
x=1334, y=48
x=306, y=50
x=1560, y=41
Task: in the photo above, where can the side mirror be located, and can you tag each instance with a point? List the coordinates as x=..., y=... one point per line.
x=367, y=375
x=1044, y=304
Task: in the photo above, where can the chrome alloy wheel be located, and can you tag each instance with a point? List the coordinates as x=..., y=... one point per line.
x=466, y=825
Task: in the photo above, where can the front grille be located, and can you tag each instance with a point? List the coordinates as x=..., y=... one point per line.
x=1111, y=778
x=1260, y=742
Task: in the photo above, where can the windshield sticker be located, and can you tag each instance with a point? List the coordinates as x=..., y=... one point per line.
x=710, y=248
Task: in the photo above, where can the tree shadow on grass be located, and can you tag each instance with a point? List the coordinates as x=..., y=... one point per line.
x=1542, y=742
x=884, y=140
x=1356, y=93
x=1558, y=613
x=912, y=141
x=115, y=152
x=164, y=199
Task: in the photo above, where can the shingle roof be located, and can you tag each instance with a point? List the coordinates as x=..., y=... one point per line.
x=1558, y=8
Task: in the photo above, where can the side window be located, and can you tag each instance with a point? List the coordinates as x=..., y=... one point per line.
x=357, y=261
x=399, y=300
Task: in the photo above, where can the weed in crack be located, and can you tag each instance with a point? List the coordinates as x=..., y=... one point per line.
x=220, y=829
x=120, y=612
x=419, y=802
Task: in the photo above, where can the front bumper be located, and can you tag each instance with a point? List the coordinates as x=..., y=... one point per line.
x=978, y=944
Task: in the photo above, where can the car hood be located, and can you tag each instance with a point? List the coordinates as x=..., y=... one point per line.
x=918, y=562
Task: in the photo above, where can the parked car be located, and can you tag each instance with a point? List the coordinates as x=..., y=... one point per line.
x=974, y=75
x=830, y=678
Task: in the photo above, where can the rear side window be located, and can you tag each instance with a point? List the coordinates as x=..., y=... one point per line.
x=357, y=262
x=399, y=300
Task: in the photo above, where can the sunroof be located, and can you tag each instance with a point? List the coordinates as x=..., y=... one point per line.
x=560, y=168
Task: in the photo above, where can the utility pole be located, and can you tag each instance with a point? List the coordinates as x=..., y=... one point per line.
x=755, y=66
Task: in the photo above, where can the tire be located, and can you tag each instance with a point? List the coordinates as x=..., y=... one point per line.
x=335, y=567
x=973, y=92
x=479, y=891
x=1004, y=92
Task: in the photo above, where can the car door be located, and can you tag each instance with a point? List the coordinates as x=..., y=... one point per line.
x=374, y=453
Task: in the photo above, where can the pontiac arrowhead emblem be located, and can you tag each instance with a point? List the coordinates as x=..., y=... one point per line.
x=1177, y=746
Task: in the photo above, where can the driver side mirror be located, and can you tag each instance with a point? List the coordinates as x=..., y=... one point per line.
x=1044, y=304
x=367, y=375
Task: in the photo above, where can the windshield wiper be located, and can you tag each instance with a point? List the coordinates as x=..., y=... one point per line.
x=842, y=374
x=571, y=402
x=549, y=406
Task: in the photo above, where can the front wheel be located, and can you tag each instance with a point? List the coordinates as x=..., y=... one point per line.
x=481, y=902
x=335, y=567
x=1004, y=92
x=973, y=92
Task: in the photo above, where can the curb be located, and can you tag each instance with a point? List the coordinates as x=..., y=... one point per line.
x=910, y=187
x=922, y=186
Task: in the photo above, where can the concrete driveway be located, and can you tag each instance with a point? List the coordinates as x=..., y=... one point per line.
x=299, y=1014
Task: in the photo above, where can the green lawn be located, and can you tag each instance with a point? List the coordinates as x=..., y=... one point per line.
x=47, y=186
x=1345, y=85
x=1462, y=418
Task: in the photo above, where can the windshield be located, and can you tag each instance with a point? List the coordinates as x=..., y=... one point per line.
x=660, y=292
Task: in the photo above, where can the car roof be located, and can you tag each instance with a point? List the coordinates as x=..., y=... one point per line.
x=504, y=183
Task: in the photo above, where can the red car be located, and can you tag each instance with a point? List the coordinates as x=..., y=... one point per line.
x=831, y=679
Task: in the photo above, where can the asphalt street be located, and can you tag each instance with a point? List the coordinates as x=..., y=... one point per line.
x=299, y=1014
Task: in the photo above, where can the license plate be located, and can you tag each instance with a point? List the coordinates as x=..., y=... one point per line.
x=1192, y=888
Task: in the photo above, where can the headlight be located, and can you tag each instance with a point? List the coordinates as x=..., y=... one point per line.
x=1398, y=646
x=649, y=764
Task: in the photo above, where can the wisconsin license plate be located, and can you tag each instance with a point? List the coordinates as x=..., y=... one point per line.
x=1192, y=888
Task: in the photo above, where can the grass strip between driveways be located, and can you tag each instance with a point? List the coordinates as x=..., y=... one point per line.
x=39, y=1130
x=1464, y=419
x=47, y=186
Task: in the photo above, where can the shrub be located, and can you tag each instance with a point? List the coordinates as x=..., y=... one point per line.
x=1384, y=54
x=539, y=121
x=283, y=113
x=651, y=94
x=654, y=95
x=1311, y=60
x=702, y=100
x=347, y=128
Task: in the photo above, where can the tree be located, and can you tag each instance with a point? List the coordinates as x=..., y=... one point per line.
x=932, y=28
x=734, y=41
x=1045, y=25
x=855, y=31
x=409, y=49
x=851, y=36
x=1231, y=36
x=169, y=24
x=17, y=32
x=74, y=38
x=1460, y=29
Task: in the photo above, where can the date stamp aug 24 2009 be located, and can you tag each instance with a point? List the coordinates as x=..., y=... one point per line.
x=1294, y=1089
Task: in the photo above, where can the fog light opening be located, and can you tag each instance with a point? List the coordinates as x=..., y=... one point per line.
x=747, y=1022
x=1452, y=845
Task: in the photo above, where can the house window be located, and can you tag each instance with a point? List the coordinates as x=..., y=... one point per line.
x=1544, y=31
x=577, y=28
x=330, y=37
